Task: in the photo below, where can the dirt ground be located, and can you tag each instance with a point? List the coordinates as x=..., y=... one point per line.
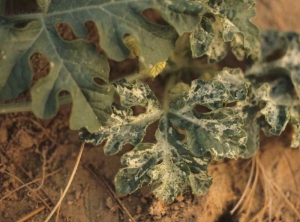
x=38, y=156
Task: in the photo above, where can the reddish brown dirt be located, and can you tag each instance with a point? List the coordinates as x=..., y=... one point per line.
x=31, y=148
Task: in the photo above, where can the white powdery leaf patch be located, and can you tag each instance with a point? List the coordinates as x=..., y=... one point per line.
x=123, y=127
x=168, y=166
x=276, y=115
x=219, y=131
x=295, y=120
x=272, y=112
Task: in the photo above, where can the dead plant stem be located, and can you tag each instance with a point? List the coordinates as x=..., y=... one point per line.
x=68, y=184
x=29, y=188
x=27, y=184
x=111, y=191
x=246, y=189
x=278, y=190
x=31, y=214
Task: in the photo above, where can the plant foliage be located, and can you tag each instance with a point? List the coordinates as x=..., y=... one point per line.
x=75, y=64
x=208, y=117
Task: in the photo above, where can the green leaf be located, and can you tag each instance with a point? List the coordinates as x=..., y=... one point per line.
x=122, y=127
x=277, y=98
x=226, y=21
x=248, y=110
x=226, y=87
x=207, y=39
x=75, y=64
x=5, y=21
x=234, y=82
x=113, y=24
x=177, y=160
x=168, y=166
x=280, y=97
x=237, y=28
x=219, y=131
x=287, y=64
x=202, y=37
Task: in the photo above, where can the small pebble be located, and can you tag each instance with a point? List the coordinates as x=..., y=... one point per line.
x=144, y=201
x=77, y=194
x=6, y=215
x=109, y=203
x=180, y=198
x=70, y=202
x=175, y=207
x=138, y=209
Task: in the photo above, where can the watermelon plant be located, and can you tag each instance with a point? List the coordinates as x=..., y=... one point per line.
x=206, y=112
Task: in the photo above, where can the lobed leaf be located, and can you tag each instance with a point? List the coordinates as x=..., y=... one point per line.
x=75, y=64
x=276, y=114
x=279, y=55
x=285, y=64
x=226, y=87
x=178, y=160
x=122, y=127
x=225, y=21
x=168, y=166
x=219, y=131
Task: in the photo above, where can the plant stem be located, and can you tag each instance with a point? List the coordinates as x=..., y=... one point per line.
x=24, y=17
x=15, y=107
x=170, y=83
x=26, y=106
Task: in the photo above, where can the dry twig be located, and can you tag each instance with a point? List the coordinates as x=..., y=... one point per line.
x=31, y=214
x=27, y=184
x=115, y=197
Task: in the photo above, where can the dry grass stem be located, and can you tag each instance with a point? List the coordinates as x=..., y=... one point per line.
x=278, y=190
x=27, y=184
x=68, y=184
x=31, y=214
x=245, y=191
x=113, y=194
x=58, y=209
x=29, y=188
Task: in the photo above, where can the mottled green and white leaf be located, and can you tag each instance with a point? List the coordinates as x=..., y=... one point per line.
x=235, y=82
x=248, y=110
x=277, y=96
x=122, y=126
x=168, y=166
x=235, y=16
x=287, y=64
x=227, y=86
x=295, y=120
x=219, y=131
x=225, y=21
